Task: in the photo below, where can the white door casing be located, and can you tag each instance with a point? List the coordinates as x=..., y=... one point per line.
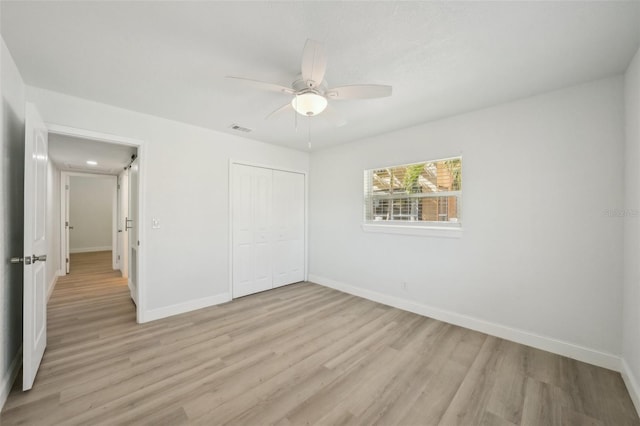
x=35, y=246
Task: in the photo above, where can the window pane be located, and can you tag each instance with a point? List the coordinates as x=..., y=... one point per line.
x=422, y=192
x=432, y=209
x=429, y=177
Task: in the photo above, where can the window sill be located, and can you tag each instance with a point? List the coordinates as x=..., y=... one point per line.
x=422, y=231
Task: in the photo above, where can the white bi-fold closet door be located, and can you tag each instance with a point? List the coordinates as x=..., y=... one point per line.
x=268, y=223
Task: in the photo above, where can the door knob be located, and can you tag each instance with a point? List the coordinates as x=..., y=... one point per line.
x=71, y=227
x=41, y=258
x=26, y=260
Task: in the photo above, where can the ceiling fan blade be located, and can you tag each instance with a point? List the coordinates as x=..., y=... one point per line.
x=263, y=85
x=314, y=63
x=333, y=117
x=281, y=109
x=359, y=91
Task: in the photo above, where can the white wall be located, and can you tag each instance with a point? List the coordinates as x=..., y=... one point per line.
x=631, y=321
x=12, y=92
x=187, y=174
x=539, y=261
x=91, y=213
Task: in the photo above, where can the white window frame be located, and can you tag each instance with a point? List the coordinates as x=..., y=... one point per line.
x=417, y=228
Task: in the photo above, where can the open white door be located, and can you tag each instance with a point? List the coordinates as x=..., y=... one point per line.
x=67, y=227
x=132, y=226
x=35, y=246
x=123, y=212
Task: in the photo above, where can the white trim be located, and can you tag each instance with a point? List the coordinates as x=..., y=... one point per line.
x=560, y=347
x=180, y=308
x=89, y=134
x=90, y=249
x=10, y=377
x=230, y=227
x=306, y=227
x=449, y=157
x=266, y=166
x=142, y=234
x=54, y=281
x=633, y=386
x=132, y=293
x=422, y=231
x=140, y=145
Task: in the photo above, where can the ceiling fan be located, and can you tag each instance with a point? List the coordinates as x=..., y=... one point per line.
x=310, y=91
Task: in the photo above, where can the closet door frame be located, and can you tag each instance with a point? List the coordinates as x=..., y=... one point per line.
x=230, y=202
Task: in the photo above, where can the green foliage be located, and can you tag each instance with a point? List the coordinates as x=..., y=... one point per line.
x=455, y=168
x=411, y=177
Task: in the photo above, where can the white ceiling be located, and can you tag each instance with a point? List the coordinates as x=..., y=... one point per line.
x=72, y=154
x=442, y=58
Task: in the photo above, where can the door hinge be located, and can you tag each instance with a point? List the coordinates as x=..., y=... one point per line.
x=118, y=257
x=118, y=186
x=66, y=187
x=138, y=243
x=67, y=260
x=66, y=224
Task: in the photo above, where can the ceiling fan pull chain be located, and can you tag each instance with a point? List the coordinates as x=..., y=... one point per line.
x=309, y=131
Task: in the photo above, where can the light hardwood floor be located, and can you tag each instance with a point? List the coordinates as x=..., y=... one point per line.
x=301, y=354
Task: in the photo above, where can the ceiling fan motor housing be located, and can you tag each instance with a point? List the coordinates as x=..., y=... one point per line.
x=302, y=86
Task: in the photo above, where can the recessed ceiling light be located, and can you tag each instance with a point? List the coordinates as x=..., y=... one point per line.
x=92, y=163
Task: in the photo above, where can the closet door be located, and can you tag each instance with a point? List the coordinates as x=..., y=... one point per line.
x=251, y=233
x=288, y=228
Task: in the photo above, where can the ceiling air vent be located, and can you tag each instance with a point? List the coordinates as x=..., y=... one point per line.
x=240, y=128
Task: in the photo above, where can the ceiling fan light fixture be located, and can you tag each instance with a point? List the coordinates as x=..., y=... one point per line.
x=309, y=104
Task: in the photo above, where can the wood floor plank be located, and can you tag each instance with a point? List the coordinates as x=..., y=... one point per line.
x=299, y=354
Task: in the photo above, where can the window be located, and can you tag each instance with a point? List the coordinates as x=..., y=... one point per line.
x=427, y=194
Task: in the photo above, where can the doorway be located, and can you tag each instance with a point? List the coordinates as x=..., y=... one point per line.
x=89, y=212
x=99, y=203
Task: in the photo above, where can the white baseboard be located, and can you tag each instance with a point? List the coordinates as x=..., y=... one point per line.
x=10, y=377
x=54, y=281
x=580, y=353
x=90, y=249
x=134, y=296
x=180, y=308
x=633, y=386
